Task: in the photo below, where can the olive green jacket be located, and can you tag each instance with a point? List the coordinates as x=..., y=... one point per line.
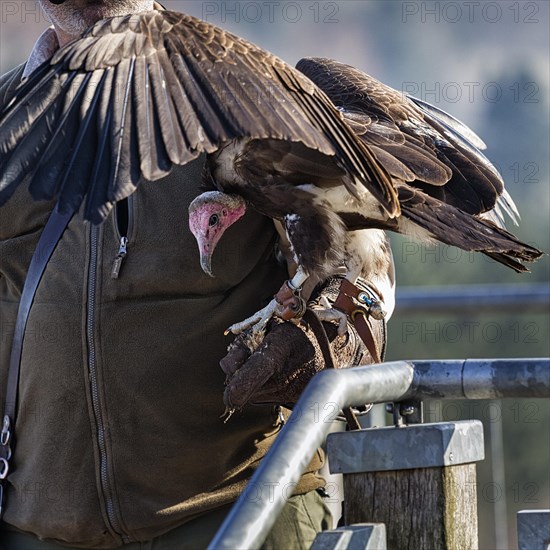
x=118, y=435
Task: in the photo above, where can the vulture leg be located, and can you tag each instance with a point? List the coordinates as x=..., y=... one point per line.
x=367, y=257
x=257, y=323
x=354, y=264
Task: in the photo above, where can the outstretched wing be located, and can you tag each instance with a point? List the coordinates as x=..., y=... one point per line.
x=419, y=144
x=141, y=93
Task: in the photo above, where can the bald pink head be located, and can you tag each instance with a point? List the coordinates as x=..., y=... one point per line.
x=210, y=214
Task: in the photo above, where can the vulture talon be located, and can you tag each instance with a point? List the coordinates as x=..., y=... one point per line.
x=287, y=305
x=257, y=322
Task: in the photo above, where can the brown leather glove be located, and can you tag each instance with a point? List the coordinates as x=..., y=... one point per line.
x=289, y=356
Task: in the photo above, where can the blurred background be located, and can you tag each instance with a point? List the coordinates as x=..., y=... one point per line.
x=487, y=63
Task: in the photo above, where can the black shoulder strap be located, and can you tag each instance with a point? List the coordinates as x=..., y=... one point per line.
x=47, y=243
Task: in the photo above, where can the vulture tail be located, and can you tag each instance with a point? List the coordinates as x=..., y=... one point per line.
x=452, y=226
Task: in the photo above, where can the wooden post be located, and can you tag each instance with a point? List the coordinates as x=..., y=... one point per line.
x=419, y=480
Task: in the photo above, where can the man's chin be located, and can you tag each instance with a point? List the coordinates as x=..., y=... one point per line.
x=93, y=10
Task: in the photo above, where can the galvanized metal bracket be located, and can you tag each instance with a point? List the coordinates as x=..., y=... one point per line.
x=533, y=529
x=402, y=448
x=406, y=412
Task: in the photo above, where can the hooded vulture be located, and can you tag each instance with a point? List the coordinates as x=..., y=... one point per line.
x=323, y=148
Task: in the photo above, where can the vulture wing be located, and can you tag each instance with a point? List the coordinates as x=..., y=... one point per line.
x=419, y=144
x=446, y=186
x=141, y=93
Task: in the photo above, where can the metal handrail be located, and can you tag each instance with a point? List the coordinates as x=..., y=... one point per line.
x=258, y=507
x=487, y=298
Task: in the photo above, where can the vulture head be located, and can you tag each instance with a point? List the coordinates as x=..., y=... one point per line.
x=210, y=214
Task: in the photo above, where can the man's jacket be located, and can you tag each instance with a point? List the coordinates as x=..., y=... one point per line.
x=118, y=435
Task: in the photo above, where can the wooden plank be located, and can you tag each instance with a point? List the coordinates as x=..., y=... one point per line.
x=423, y=508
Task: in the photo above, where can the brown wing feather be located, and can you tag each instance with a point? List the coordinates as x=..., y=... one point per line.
x=198, y=87
x=452, y=226
x=440, y=152
x=446, y=187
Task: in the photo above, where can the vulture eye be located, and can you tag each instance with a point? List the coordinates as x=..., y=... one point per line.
x=214, y=219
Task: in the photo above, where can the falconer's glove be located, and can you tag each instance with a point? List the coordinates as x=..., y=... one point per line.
x=290, y=355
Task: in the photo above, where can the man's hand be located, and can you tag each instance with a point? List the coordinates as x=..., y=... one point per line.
x=288, y=357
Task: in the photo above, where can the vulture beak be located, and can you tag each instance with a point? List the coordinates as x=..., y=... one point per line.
x=206, y=241
x=210, y=214
x=206, y=256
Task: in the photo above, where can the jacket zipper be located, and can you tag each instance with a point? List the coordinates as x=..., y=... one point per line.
x=123, y=222
x=119, y=258
x=112, y=516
